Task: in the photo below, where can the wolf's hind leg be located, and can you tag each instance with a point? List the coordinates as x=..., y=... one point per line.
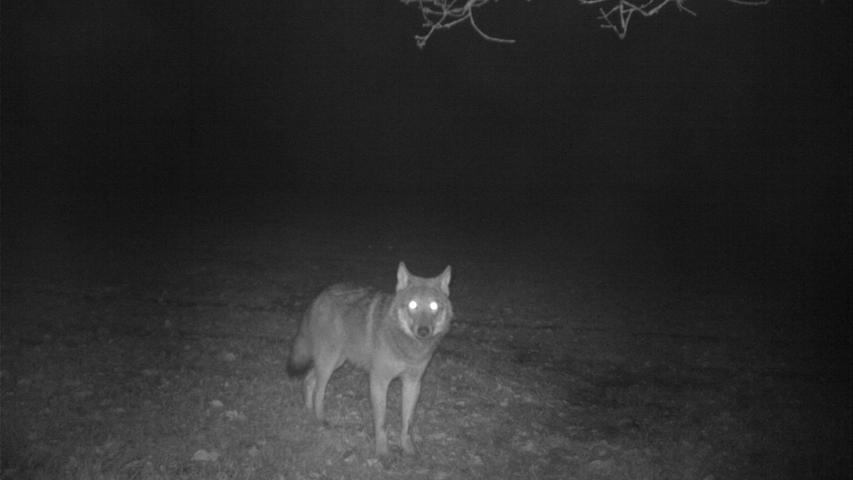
x=309, y=383
x=323, y=371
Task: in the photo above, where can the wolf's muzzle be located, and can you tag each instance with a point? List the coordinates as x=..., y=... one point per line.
x=423, y=331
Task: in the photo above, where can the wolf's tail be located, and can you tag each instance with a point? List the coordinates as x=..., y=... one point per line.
x=299, y=361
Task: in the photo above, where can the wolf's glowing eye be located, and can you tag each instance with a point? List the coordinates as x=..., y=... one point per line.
x=413, y=305
x=433, y=306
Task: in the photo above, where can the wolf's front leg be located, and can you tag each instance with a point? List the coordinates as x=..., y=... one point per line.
x=411, y=390
x=378, y=393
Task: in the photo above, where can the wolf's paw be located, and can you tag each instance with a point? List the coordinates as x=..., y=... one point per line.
x=408, y=446
x=381, y=445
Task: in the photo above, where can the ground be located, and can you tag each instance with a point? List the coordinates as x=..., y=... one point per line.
x=155, y=348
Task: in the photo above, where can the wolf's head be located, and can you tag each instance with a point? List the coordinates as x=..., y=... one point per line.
x=422, y=305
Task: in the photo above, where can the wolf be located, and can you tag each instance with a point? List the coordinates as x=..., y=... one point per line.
x=388, y=335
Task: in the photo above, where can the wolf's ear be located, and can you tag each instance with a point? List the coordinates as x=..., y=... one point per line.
x=402, y=276
x=444, y=280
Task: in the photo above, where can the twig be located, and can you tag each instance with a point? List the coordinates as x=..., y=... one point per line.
x=444, y=14
x=624, y=10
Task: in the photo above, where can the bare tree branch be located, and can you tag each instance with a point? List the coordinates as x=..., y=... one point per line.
x=445, y=14
x=623, y=10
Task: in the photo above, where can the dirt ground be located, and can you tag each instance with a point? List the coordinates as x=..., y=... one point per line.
x=155, y=348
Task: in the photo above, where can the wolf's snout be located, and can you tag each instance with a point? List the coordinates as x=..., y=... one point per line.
x=423, y=331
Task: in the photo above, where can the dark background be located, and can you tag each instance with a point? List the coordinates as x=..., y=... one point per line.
x=722, y=139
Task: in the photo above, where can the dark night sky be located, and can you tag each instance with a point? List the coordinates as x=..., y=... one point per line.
x=740, y=116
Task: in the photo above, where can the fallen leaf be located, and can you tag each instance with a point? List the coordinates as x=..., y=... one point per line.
x=205, y=456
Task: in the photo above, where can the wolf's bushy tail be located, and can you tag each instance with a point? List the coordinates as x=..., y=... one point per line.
x=299, y=361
